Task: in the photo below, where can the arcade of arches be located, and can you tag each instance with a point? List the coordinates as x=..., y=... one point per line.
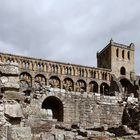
x=26, y=82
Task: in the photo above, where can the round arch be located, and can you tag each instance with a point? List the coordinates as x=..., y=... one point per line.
x=128, y=87
x=81, y=86
x=123, y=71
x=93, y=87
x=68, y=84
x=40, y=79
x=25, y=80
x=54, y=82
x=104, y=89
x=56, y=105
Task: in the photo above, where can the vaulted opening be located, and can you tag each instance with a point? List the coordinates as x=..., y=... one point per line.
x=55, y=105
x=122, y=71
x=93, y=87
x=128, y=88
x=104, y=89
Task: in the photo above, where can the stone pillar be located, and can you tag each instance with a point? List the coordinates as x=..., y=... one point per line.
x=98, y=88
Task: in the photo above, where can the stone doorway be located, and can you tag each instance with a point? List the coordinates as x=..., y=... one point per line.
x=56, y=105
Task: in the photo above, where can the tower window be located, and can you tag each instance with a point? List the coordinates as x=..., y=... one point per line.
x=122, y=71
x=117, y=52
x=123, y=54
x=128, y=55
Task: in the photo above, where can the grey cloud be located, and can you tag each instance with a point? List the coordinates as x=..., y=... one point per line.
x=69, y=31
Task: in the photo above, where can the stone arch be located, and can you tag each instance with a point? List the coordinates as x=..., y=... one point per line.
x=68, y=70
x=123, y=71
x=56, y=105
x=103, y=75
x=104, y=89
x=93, y=87
x=54, y=68
x=68, y=84
x=40, y=80
x=54, y=82
x=10, y=60
x=128, y=87
x=40, y=67
x=25, y=80
x=81, y=86
x=91, y=73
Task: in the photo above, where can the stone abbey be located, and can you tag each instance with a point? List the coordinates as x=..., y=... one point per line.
x=36, y=94
x=114, y=63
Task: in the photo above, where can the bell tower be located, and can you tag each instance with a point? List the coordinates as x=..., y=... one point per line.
x=119, y=58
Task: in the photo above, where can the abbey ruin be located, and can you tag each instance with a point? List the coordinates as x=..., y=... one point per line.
x=47, y=100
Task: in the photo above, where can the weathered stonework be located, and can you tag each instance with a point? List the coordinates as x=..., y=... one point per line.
x=42, y=99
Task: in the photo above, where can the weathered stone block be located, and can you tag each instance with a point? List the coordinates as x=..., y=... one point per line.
x=19, y=133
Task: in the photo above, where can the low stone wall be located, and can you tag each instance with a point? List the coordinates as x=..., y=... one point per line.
x=87, y=110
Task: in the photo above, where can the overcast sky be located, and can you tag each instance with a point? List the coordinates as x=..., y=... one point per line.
x=70, y=31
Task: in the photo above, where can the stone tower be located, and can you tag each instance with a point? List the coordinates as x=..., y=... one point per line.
x=119, y=58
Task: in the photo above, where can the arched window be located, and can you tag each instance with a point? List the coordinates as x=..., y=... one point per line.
x=68, y=84
x=122, y=71
x=93, y=87
x=54, y=82
x=128, y=55
x=104, y=89
x=25, y=80
x=117, y=52
x=123, y=54
x=81, y=86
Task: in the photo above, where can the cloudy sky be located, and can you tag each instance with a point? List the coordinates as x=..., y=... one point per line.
x=68, y=30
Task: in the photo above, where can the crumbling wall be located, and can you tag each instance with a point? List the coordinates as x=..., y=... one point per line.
x=30, y=116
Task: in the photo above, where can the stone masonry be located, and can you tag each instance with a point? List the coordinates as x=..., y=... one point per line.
x=42, y=99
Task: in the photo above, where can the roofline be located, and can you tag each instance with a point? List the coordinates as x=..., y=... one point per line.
x=112, y=43
x=51, y=61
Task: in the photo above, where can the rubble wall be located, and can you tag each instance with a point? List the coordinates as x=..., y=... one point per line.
x=88, y=110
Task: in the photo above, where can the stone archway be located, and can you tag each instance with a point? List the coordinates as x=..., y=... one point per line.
x=123, y=71
x=128, y=87
x=93, y=87
x=104, y=89
x=56, y=105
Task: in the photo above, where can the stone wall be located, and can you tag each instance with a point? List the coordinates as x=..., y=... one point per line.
x=87, y=110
